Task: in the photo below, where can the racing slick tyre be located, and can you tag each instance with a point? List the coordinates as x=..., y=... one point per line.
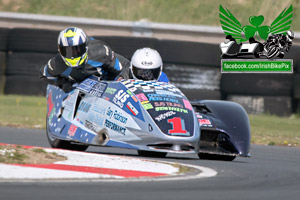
x=152, y=154
x=62, y=144
x=207, y=156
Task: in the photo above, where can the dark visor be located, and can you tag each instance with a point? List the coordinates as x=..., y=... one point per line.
x=72, y=51
x=146, y=74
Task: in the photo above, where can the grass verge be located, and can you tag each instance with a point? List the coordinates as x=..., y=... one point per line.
x=196, y=12
x=30, y=112
x=16, y=154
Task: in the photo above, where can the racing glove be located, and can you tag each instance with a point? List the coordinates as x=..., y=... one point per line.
x=65, y=84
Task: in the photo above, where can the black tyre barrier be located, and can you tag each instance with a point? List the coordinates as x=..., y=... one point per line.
x=193, y=77
x=2, y=84
x=25, y=85
x=2, y=63
x=33, y=40
x=279, y=105
x=195, y=94
x=126, y=46
x=26, y=63
x=296, y=86
x=193, y=53
x=294, y=54
x=3, y=38
x=2, y=71
x=257, y=84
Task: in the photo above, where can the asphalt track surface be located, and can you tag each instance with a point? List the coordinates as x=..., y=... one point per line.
x=271, y=173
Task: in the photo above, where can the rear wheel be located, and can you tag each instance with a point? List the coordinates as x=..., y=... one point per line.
x=152, y=154
x=63, y=144
x=207, y=156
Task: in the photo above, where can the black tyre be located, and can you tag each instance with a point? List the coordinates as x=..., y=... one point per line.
x=32, y=40
x=62, y=144
x=207, y=156
x=152, y=154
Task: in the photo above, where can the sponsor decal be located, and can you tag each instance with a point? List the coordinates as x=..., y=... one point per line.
x=169, y=104
x=99, y=110
x=120, y=98
x=204, y=122
x=148, y=106
x=130, y=93
x=169, y=93
x=134, y=99
x=72, y=130
x=162, y=97
x=91, y=126
x=147, y=63
x=178, y=127
x=96, y=118
x=148, y=90
x=132, y=109
x=144, y=102
x=132, y=96
x=98, y=89
x=110, y=90
x=187, y=104
x=142, y=97
x=51, y=114
x=93, y=87
x=165, y=115
x=165, y=108
x=116, y=115
x=106, y=98
x=115, y=127
x=50, y=103
x=84, y=106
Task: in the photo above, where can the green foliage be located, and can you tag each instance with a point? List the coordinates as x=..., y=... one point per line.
x=204, y=12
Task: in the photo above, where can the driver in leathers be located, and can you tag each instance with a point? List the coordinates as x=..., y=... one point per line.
x=81, y=57
x=146, y=64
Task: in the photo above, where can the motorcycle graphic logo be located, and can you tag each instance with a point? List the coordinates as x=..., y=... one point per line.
x=256, y=40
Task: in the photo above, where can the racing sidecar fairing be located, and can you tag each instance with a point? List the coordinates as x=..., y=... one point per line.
x=154, y=118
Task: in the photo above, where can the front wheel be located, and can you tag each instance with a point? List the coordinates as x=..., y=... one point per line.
x=207, y=156
x=152, y=154
x=63, y=144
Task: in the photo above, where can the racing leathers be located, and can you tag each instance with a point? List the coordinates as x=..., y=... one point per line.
x=102, y=62
x=126, y=74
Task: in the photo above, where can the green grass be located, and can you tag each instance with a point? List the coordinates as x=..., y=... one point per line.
x=199, y=12
x=273, y=130
x=30, y=112
x=22, y=111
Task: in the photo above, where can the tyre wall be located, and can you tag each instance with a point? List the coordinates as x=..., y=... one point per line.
x=192, y=66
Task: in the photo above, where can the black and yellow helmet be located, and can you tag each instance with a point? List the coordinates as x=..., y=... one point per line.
x=72, y=46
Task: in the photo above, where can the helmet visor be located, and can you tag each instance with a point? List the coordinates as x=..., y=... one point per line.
x=72, y=51
x=146, y=74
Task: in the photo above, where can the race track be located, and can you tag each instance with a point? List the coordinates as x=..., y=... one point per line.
x=271, y=173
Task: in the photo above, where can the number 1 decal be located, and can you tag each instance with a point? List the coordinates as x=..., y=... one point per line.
x=178, y=126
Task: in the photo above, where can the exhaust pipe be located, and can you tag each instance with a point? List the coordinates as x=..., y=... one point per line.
x=101, y=137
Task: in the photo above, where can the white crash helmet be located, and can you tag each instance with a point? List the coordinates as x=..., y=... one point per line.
x=146, y=64
x=290, y=35
x=72, y=46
